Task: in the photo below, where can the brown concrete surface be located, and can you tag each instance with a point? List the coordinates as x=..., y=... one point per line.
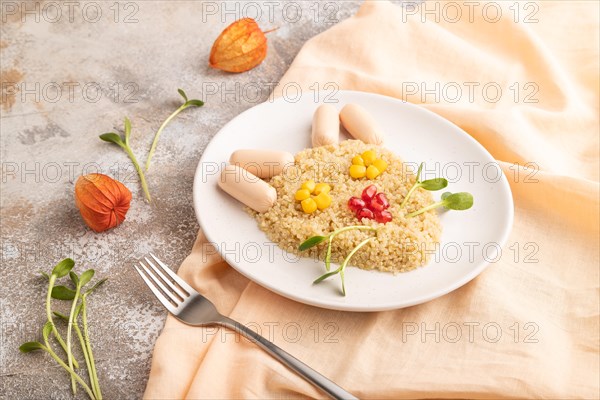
x=69, y=73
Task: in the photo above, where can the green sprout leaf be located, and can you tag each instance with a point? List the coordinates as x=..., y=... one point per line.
x=325, y=276
x=187, y=103
x=195, y=103
x=451, y=201
x=112, y=137
x=74, y=278
x=182, y=93
x=458, y=201
x=434, y=184
x=311, y=242
x=47, y=329
x=62, y=293
x=86, y=277
x=63, y=267
x=60, y=315
x=31, y=346
x=96, y=285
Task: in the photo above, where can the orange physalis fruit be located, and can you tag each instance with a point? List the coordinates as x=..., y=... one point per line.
x=102, y=201
x=240, y=47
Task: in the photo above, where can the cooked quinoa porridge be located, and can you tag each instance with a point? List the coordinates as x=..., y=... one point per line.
x=400, y=245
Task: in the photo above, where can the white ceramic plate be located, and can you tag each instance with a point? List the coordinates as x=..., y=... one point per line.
x=470, y=240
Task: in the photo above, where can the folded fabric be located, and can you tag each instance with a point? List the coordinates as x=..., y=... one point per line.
x=526, y=74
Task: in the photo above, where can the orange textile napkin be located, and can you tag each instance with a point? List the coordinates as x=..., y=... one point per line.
x=526, y=327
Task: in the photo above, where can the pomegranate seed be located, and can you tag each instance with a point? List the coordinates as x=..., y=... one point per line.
x=375, y=205
x=369, y=192
x=365, y=213
x=382, y=199
x=383, y=216
x=355, y=204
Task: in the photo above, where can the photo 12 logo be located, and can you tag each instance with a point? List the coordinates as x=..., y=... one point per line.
x=470, y=11
x=470, y=332
x=54, y=92
x=326, y=12
x=19, y=252
x=470, y=92
x=64, y=171
x=290, y=332
x=53, y=12
x=262, y=91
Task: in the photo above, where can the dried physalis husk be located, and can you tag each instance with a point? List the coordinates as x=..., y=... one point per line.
x=240, y=47
x=102, y=201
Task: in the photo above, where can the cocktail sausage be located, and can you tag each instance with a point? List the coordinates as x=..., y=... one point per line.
x=247, y=188
x=263, y=163
x=325, y=126
x=360, y=124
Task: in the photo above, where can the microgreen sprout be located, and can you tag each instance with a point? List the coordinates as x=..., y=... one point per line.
x=33, y=346
x=429, y=184
x=450, y=201
x=187, y=103
x=123, y=142
x=79, y=283
x=88, y=346
x=61, y=269
x=315, y=240
x=342, y=267
x=78, y=306
x=84, y=339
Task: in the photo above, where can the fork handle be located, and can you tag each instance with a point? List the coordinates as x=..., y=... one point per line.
x=333, y=390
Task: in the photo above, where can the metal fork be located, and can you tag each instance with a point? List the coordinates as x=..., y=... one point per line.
x=190, y=307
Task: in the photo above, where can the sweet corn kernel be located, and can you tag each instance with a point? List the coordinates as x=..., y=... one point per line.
x=323, y=200
x=380, y=164
x=357, y=171
x=368, y=157
x=372, y=172
x=309, y=206
x=321, y=188
x=358, y=160
x=309, y=185
x=302, y=194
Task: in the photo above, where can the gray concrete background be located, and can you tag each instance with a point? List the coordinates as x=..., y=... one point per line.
x=54, y=57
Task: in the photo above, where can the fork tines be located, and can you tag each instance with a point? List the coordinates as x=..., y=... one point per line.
x=169, y=288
